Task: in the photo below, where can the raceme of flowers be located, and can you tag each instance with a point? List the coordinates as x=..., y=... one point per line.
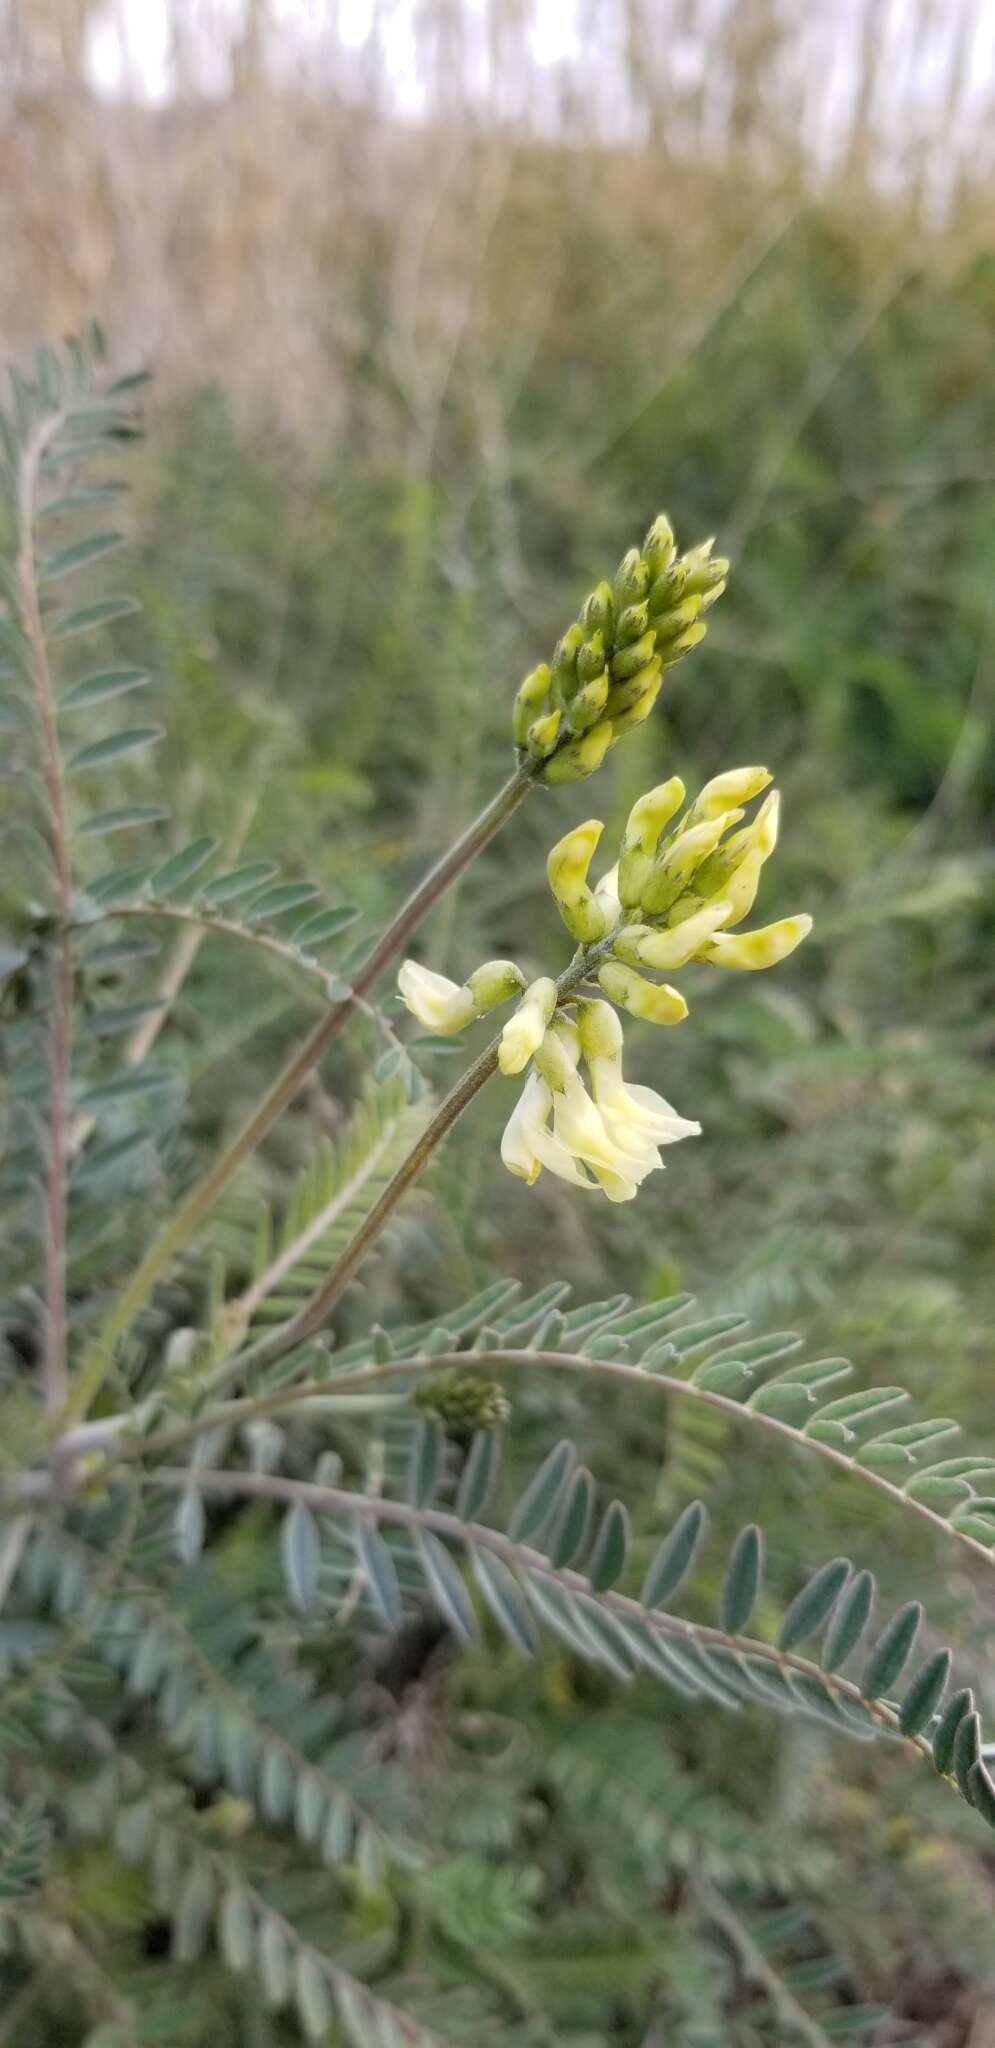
x=681, y=886
x=606, y=671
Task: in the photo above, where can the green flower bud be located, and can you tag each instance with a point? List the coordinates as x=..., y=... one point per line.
x=624, y=694
x=675, y=622
x=667, y=590
x=565, y=664
x=530, y=698
x=629, y=660
x=581, y=756
x=599, y=610
x=632, y=580
x=589, y=703
x=688, y=639
x=494, y=982
x=659, y=545
x=463, y=1402
x=637, y=713
x=704, y=571
x=591, y=658
x=657, y=1003
x=632, y=624
x=542, y=735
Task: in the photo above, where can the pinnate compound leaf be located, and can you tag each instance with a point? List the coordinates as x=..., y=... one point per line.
x=675, y=1557
x=741, y=1585
x=891, y=1652
x=300, y=1551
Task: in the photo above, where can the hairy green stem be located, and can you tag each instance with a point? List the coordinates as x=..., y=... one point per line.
x=98, y=1359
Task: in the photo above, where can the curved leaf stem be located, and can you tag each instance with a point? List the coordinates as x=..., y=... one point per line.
x=99, y=1357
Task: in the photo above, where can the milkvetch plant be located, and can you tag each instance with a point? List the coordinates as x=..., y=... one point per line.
x=175, y=1395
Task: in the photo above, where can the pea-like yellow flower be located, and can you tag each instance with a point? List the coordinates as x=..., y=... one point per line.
x=525, y=1030
x=765, y=947
x=438, y=1003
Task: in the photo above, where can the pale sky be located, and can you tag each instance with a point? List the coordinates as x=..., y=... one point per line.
x=130, y=50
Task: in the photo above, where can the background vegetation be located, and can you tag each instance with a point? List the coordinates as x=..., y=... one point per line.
x=417, y=384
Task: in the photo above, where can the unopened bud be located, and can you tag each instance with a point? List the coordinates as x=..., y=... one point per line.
x=636, y=714
x=565, y=663
x=632, y=579
x=462, y=1403
x=623, y=695
x=542, y=735
x=673, y=651
x=659, y=545
x=530, y=698
x=632, y=624
x=667, y=590
x=705, y=571
x=657, y=1003
x=676, y=622
x=750, y=951
x=494, y=982
x=581, y=756
x=566, y=870
x=599, y=610
x=589, y=703
x=629, y=660
x=591, y=658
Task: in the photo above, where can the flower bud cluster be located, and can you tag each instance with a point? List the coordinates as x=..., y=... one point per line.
x=605, y=674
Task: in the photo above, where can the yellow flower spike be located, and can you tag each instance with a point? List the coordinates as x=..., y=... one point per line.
x=438, y=1003
x=657, y=1003
x=525, y=1031
x=766, y=947
x=736, y=786
x=530, y=698
x=645, y=946
x=542, y=734
x=676, y=863
x=581, y=756
x=566, y=872
x=641, y=837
